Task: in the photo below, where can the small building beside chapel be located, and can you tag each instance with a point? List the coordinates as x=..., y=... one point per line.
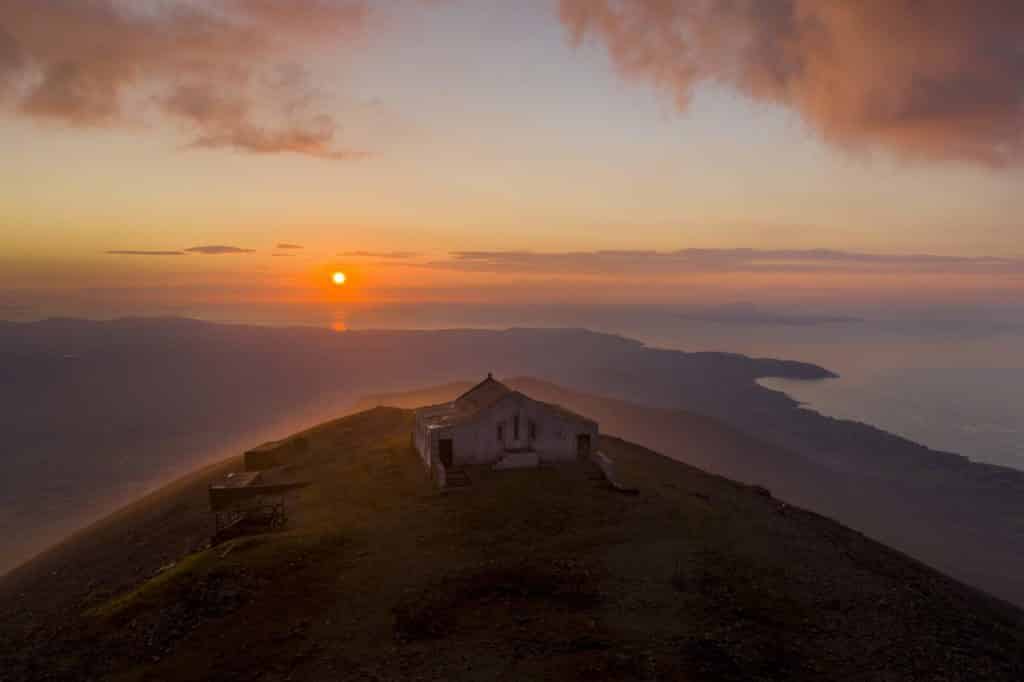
x=491, y=424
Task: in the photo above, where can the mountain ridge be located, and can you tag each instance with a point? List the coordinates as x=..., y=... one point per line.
x=179, y=393
x=531, y=573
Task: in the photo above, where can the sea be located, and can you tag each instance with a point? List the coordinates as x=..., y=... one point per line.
x=949, y=378
x=951, y=384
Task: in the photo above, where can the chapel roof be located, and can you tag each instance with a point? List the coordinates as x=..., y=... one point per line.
x=488, y=392
x=483, y=395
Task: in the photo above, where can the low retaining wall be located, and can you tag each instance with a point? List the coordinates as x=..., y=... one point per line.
x=518, y=460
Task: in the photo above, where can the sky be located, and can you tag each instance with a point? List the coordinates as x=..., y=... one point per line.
x=782, y=151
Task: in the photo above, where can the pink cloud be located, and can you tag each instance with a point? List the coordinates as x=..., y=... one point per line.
x=926, y=79
x=220, y=69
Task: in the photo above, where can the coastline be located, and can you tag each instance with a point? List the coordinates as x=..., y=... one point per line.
x=894, y=403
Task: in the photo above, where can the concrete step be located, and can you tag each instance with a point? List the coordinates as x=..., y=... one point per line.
x=456, y=479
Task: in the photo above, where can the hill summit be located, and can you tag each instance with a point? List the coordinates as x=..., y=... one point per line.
x=543, y=573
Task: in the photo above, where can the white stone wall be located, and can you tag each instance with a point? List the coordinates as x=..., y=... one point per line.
x=425, y=441
x=477, y=442
x=421, y=441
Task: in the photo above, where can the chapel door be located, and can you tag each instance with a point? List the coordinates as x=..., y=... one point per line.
x=446, y=452
x=583, y=445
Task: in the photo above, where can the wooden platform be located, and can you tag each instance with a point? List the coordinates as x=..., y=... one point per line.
x=251, y=501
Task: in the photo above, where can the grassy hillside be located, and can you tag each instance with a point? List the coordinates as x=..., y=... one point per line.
x=527, y=575
x=919, y=513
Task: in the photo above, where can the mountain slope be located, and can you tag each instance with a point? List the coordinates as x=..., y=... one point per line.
x=526, y=575
x=967, y=529
x=94, y=414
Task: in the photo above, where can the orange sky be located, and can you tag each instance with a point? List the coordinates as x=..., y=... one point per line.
x=386, y=140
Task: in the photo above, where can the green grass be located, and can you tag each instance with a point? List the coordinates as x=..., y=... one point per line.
x=150, y=591
x=224, y=560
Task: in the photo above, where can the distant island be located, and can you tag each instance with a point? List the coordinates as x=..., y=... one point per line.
x=748, y=313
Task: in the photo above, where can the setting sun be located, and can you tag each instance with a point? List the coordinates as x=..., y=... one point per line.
x=338, y=278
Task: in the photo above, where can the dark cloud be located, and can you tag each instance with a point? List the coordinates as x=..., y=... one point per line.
x=220, y=68
x=661, y=263
x=218, y=250
x=396, y=255
x=933, y=79
x=144, y=253
x=286, y=246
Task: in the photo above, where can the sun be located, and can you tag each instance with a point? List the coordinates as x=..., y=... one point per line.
x=339, y=278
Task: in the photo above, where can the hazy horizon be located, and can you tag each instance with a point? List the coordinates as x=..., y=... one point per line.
x=948, y=377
